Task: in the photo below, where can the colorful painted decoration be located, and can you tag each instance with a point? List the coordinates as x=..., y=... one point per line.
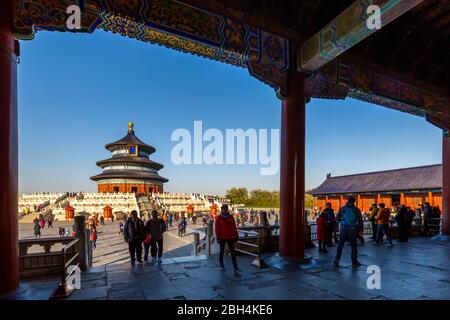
x=133, y=150
x=348, y=29
x=170, y=23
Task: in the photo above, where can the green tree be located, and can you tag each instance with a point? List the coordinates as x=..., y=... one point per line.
x=264, y=198
x=237, y=195
x=259, y=198
x=308, y=201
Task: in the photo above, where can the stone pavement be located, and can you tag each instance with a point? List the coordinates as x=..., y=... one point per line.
x=418, y=269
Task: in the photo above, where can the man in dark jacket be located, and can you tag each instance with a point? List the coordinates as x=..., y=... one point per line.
x=156, y=228
x=226, y=233
x=330, y=223
x=402, y=223
x=134, y=234
x=350, y=219
x=427, y=215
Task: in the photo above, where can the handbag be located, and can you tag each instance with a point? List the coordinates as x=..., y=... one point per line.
x=147, y=239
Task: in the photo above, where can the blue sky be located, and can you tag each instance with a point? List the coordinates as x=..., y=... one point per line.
x=77, y=93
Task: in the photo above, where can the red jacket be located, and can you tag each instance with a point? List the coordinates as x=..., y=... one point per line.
x=226, y=228
x=321, y=229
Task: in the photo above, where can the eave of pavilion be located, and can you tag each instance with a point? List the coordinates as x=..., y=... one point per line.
x=129, y=159
x=350, y=76
x=374, y=193
x=128, y=174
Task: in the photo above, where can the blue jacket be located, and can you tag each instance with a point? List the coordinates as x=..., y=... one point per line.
x=350, y=217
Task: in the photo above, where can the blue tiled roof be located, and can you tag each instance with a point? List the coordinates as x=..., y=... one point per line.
x=416, y=178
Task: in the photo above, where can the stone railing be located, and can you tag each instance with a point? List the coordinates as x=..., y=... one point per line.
x=47, y=260
x=43, y=262
x=255, y=239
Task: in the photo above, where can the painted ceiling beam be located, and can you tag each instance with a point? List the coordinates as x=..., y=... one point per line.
x=169, y=23
x=348, y=29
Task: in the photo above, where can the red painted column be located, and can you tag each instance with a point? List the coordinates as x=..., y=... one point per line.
x=292, y=176
x=9, y=260
x=446, y=185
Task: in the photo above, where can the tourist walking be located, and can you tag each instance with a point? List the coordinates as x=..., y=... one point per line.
x=226, y=233
x=121, y=225
x=330, y=223
x=36, y=229
x=112, y=218
x=402, y=223
x=322, y=234
x=350, y=219
x=102, y=220
x=373, y=220
x=383, y=224
x=427, y=216
x=42, y=223
x=93, y=235
x=182, y=227
x=134, y=234
x=68, y=232
x=155, y=227
x=166, y=219
x=50, y=222
x=170, y=219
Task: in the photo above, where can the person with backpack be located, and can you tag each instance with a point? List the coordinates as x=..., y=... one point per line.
x=383, y=224
x=226, y=234
x=155, y=228
x=351, y=221
x=134, y=234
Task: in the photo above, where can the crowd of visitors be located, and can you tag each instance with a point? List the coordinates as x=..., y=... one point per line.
x=349, y=224
x=39, y=223
x=149, y=235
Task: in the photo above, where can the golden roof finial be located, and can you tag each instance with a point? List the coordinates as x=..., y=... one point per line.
x=130, y=127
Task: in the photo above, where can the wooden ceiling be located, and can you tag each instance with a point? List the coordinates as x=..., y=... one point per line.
x=417, y=45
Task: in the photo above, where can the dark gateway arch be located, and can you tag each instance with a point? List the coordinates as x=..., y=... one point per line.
x=302, y=48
